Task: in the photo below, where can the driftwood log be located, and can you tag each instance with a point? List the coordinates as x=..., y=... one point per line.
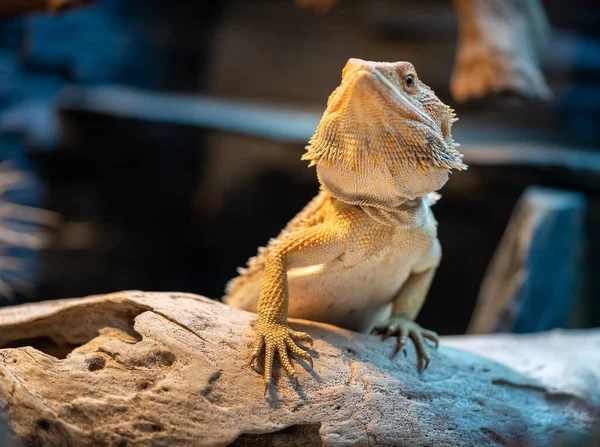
x=533, y=282
x=500, y=46
x=135, y=368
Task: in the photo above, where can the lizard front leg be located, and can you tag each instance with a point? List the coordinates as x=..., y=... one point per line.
x=406, y=307
x=315, y=245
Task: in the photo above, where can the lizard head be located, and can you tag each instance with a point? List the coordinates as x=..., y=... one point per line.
x=384, y=137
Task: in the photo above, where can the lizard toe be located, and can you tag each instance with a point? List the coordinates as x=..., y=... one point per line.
x=282, y=350
x=433, y=336
x=301, y=336
x=258, y=346
x=403, y=328
x=400, y=341
x=299, y=352
x=269, y=357
x=278, y=339
x=423, y=356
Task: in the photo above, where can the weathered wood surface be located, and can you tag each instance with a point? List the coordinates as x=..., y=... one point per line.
x=534, y=281
x=135, y=368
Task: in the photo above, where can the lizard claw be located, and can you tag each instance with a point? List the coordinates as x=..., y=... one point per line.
x=256, y=352
x=278, y=338
x=389, y=332
x=301, y=336
x=400, y=341
x=251, y=361
x=403, y=327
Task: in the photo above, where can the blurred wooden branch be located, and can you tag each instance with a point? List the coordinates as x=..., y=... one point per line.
x=500, y=43
x=533, y=282
x=503, y=147
x=18, y=7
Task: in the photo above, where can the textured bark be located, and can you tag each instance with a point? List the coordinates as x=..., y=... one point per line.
x=136, y=368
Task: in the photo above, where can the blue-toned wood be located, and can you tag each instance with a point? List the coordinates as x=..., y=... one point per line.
x=534, y=281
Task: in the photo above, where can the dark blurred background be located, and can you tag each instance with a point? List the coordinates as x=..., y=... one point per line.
x=168, y=137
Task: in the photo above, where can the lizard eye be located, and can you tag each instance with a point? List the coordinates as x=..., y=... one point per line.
x=410, y=82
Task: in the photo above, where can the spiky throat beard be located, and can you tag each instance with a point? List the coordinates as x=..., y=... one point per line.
x=378, y=146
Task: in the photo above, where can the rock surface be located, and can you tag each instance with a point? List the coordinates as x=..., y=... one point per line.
x=135, y=368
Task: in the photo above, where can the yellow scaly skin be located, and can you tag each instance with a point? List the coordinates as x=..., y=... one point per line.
x=362, y=254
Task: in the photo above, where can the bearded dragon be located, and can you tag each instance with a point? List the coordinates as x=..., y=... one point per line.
x=362, y=254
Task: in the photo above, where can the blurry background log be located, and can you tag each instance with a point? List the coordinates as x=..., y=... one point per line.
x=18, y=7
x=534, y=280
x=500, y=46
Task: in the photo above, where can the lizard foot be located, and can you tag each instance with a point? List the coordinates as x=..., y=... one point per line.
x=403, y=327
x=273, y=337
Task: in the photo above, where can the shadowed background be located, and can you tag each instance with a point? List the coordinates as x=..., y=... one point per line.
x=168, y=137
